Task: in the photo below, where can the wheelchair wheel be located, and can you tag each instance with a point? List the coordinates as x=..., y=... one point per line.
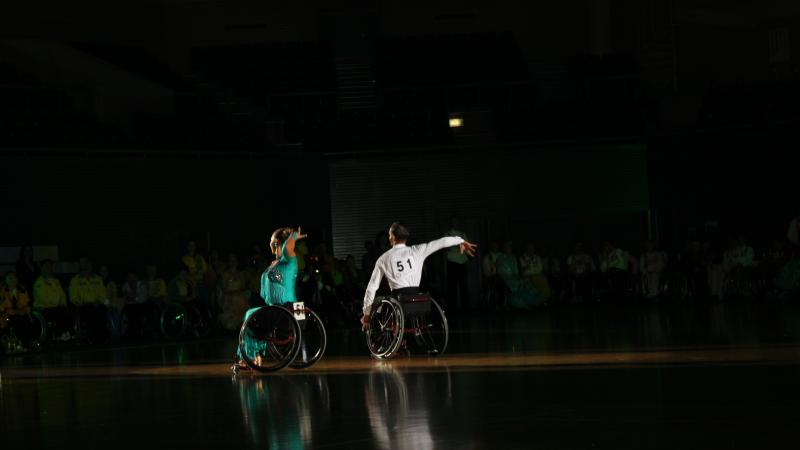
x=270, y=339
x=199, y=322
x=93, y=324
x=676, y=288
x=385, y=329
x=174, y=321
x=430, y=330
x=314, y=342
x=39, y=331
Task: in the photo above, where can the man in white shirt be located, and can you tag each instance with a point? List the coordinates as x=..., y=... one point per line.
x=402, y=265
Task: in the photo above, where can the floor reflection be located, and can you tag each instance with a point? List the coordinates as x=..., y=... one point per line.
x=280, y=412
x=392, y=410
x=658, y=376
x=399, y=415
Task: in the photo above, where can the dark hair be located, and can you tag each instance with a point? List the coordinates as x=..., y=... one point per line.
x=399, y=231
x=22, y=251
x=282, y=234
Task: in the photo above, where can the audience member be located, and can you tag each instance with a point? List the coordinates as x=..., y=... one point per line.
x=115, y=302
x=494, y=287
x=234, y=300
x=522, y=294
x=134, y=291
x=155, y=285
x=612, y=259
x=27, y=270
x=196, y=267
x=532, y=269
x=87, y=288
x=368, y=260
x=581, y=269
x=50, y=300
x=181, y=287
x=457, y=294
x=652, y=264
x=15, y=311
x=14, y=300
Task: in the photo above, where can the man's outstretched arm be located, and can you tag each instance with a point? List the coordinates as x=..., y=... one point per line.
x=448, y=241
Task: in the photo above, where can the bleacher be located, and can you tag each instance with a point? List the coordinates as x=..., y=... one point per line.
x=435, y=60
x=33, y=114
x=136, y=60
x=256, y=70
x=750, y=104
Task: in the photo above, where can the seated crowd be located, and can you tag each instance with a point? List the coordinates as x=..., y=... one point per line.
x=97, y=307
x=700, y=270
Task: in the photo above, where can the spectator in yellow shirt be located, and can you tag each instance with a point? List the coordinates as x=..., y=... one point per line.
x=180, y=288
x=88, y=292
x=47, y=290
x=156, y=286
x=50, y=300
x=194, y=262
x=197, y=267
x=14, y=299
x=87, y=288
x=15, y=310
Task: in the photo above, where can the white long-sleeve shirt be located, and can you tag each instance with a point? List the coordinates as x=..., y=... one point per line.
x=402, y=266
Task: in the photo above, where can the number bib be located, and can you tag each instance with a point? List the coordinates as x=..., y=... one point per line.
x=299, y=310
x=402, y=266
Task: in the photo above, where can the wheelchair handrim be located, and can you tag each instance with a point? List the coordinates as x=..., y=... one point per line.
x=282, y=360
x=391, y=348
x=296, y=364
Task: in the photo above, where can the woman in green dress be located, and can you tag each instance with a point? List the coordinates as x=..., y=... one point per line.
x=279, y=280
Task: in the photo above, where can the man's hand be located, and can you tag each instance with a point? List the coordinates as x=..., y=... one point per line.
x=364, y=322
x=468, y=248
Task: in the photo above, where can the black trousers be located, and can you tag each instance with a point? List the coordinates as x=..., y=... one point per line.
x=59, y=320
x=457, y=297
x=25, y=327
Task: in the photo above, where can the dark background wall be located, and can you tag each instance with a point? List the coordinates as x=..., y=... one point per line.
x=540, y=194
x=746, y=180
x=128, y=210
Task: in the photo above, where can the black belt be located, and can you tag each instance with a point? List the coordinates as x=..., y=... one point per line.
x=406, y=290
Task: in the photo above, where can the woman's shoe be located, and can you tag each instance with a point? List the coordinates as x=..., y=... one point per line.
x=239, y=365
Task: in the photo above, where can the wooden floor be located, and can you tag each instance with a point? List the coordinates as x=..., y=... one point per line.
x=564, y=379
x=669, y=357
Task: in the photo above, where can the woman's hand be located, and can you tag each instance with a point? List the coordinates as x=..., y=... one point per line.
x=468, y=248
x=294, y=237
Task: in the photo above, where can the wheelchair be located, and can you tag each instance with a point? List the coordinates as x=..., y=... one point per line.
x=676, y=287
x=180, y=319
x=273, y=337
x=93, y=324
x=23, y=332
x=393, y=317
x=140, y=319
